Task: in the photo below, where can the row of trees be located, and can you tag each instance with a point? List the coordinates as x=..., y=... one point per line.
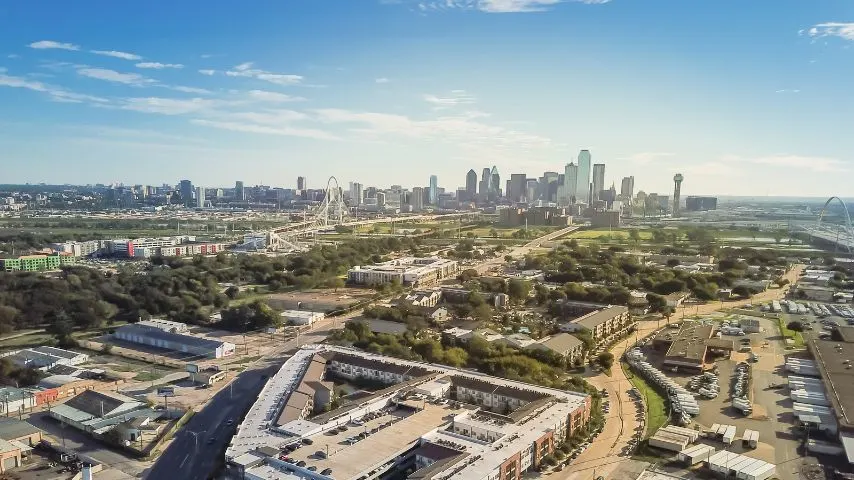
x=182, y=290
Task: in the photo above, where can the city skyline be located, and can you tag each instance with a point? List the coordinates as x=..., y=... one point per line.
x=100, y=96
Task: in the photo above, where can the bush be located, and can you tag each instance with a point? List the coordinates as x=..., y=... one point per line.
x=795, y=326
x=605, y=360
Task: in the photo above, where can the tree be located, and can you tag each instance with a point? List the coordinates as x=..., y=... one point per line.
x=778, y=236
x=232, y=292
x=657, y=303
x=605, y=360
x=518, y=289
x=781, y=282
x=634, y=235
x=795, y=326
x=673, y=262
x=456, y=357
x=742, y=291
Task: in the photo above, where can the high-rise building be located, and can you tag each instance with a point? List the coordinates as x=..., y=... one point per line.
x=532, y=186
x=677, y=190
x=433, y=193
x=300, y=183
x=598, y=180
x=239, y=191
x=494, y=183
x=582, y=190
x=700, y=204
x=485, y=183
x=356, y=194
x=471, y=185
x=380, y=199
x=517, y=190
x=627, y=189
x=200, y=197
x=570, y=184
x=416, y=199
x=185, y=188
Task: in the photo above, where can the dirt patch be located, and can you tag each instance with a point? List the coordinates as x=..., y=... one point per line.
x=324, y=300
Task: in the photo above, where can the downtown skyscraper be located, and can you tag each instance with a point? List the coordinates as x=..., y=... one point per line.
x=598, y=181
x=570, y=184
x=582, y=191
x=433, y=192
x=471, y=185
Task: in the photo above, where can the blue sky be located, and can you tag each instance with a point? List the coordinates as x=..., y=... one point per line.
x=741, y=97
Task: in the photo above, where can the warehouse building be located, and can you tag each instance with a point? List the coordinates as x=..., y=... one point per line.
x=44, y=358
x=187, y=344
x=687, y=347
x=301, y=317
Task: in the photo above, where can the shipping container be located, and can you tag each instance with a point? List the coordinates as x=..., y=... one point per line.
x=696, y=454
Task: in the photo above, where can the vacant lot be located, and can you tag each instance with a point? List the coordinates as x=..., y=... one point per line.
x=319, y=300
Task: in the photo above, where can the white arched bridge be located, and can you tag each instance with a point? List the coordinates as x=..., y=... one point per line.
x=331, y=212
x=841, y=235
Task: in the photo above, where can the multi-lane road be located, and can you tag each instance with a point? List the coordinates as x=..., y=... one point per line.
x=198, y=448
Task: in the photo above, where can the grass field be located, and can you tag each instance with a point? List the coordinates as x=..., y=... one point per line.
x=35, y=338
x=795, y=336
x=656, y=413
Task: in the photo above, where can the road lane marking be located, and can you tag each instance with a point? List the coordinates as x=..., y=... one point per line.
x=184, y=461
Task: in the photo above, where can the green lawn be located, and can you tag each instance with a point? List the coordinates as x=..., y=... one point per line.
x=606, y=233
x=34, y=339
x=656, y=413
x=148, y=376
x=796, y=336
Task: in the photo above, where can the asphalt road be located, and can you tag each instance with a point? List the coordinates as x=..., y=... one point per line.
x=190, y=456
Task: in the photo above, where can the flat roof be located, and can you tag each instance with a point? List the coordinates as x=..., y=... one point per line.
x=839, y=379
x=545, y=410
x=690, y=342
x=348, y=461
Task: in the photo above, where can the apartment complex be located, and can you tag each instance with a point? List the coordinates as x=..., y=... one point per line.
x=36, y=263
x=425, y=422
x=603, y=323
x=409, y=271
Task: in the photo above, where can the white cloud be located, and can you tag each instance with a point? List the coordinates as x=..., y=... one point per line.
x=207, y=72
x=643, y=158
x=158, y=65
x=832, y=29
x=268, y=130
x=246, y=70
x=13, y=56
x=50, y=44
x=56, y=93
x=457, y=97
x=113, y=53
x=382, y=80
x=498, y=6
x=787, y=90
x=460, y=129
x=114, y=76
x=181, y=88
x=265, y=96
x=167, y=106
x=807, y=163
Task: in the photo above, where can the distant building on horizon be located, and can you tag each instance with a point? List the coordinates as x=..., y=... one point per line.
x=200, y=197
x=627, y=189
x=700, y=204
x=582, y=189
x=416, y=199
x=677, y=190
x=433, y=192
x=300, y=183
x=598, y=180
x=570, y=184
x=518, y=189
x=185, y=188
x=471, y=185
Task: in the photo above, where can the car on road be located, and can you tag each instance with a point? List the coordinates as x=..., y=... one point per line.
x=211, y=440
x=307, y=441
x=229, y=422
